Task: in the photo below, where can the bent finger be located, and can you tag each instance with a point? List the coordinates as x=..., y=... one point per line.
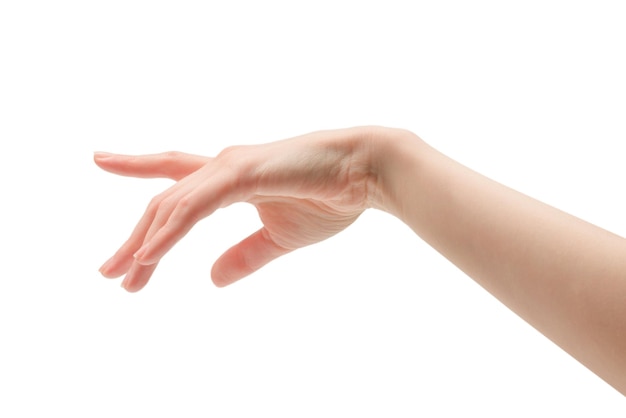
x=165, y=233
x=137, y=277
x=123, y=258
x=174, y=165
x=245, y=258
x=194, y=201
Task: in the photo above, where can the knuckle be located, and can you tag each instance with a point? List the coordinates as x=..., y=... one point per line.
x=186, y=209
x=172, y=155
x=228, y=152
x=159, y=205
x=239, y=161
x=185, y=203
x=154, y=204
x=167, y=204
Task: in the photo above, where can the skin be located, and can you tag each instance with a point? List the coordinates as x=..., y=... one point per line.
x=563, y=275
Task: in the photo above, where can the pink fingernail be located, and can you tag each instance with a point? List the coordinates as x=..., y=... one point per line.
x=103, y=268
x=102, y=155
x=139, y=254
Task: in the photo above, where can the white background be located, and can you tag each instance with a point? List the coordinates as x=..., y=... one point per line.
x=372, y=321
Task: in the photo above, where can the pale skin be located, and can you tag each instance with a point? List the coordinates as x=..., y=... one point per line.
x=564, y=276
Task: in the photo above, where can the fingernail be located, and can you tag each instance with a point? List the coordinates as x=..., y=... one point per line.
x=139, y=254
x=103, y=268
x=102, y=155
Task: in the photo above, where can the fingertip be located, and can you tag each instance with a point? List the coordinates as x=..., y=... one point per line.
x=129, y=287
x=137, y=277
x=245, y=258
x=115, y=266
x=230, y=267
x=100, y=157
x=220, y=278
x=219, y=283
x=104, y=267
x=106, y=271
x=222, y=282
x=106, y=274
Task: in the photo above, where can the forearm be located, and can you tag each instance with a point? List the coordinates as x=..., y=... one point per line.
x=564, y=276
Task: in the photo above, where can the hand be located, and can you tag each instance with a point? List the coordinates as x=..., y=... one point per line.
x=305, y=189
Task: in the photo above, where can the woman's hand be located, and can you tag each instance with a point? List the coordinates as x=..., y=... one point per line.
x=561, y=274
x=305, y=189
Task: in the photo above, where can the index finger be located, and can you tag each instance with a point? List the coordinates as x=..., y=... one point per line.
x=173, y=164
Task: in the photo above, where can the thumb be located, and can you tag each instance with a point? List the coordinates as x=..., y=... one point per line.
x=174, y=165
x=246, y=257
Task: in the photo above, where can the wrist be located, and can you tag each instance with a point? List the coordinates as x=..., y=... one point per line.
x=395, y=156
